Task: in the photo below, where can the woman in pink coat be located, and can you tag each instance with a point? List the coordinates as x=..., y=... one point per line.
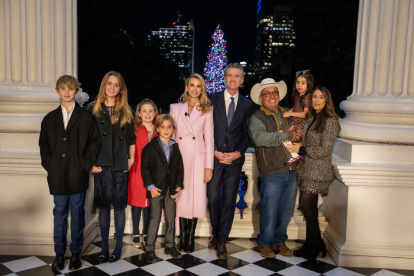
x=194, y=134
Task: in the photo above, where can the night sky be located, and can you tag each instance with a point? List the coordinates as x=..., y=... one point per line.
x=325, y=43
x=236, y=18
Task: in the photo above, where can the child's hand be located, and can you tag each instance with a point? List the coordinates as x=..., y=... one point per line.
x=155, y=192
x=286, y=114
x=178, y=190
x=96, y=169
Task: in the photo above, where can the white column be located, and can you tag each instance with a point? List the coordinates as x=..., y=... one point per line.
x=38, y=43
x=381, y=107
x=369, y=206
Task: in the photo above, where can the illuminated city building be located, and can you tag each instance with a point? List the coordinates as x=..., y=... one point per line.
x=274, y=30
x=177, y=44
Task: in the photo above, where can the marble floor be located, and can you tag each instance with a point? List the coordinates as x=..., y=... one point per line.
x=243, y=260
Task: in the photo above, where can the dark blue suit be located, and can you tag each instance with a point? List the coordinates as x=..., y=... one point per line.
x=227, y=139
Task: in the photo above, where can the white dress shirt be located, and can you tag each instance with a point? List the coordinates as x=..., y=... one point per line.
x=66, y=114
x=227, y=100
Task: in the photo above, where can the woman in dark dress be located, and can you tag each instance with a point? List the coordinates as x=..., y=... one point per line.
x=115, y=122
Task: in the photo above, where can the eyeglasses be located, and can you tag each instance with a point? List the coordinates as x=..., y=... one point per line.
x=303, y=72
x=267, y=94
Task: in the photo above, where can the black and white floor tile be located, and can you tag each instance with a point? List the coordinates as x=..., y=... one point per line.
x=243, y=260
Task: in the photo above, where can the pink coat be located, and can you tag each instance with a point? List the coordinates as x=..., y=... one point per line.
x=195, y=137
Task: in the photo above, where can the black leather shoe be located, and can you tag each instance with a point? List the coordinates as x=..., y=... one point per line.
x=103, y=259
x=222, y=251
x=59, y=262
x=173, y=252
x=212, y=244
x=151, y=257
x=113, y=258
x=75, y=262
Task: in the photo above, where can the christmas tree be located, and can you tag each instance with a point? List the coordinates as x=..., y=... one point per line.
x=216, y=61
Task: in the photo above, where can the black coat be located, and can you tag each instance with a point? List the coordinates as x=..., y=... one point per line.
x=234, y=137
x=68, y=155
x=156, y=170
x=115, y=141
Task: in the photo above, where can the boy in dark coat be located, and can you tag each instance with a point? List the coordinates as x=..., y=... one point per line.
x=162, y=170
x=69, y=144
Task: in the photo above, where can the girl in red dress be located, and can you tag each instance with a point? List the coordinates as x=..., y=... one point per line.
x=145, y=130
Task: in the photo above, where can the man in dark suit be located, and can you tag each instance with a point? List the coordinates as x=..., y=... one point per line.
x=231, y=111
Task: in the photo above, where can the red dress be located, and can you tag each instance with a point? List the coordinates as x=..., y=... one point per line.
x=137, y=193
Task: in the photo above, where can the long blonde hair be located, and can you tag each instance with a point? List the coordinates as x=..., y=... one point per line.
x=205, y=104
x=122, y=111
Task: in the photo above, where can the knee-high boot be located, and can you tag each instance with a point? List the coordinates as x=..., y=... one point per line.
x=183, y=234
x=191, y=235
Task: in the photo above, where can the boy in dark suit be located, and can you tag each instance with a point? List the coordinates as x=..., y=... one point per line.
x=163, y=174
x=69, y=144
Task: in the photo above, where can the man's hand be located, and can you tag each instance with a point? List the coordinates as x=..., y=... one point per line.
x=292, y=135
x=229, y=157
x=218, y=154
x=178, y=190
x=155, y=192
x=96, y=169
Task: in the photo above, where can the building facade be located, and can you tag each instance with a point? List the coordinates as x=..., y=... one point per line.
x=176, y=44
x=274, y=30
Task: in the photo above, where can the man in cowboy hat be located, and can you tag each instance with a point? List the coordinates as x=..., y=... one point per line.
x=278, y=182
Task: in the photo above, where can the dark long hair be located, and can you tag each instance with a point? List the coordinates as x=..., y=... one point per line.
x=327, y=112
x=309, y=86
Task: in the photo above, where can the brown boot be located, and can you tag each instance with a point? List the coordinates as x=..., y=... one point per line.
x=212, y=244
x=284, y=250
x=221, y=251
x=266, y=251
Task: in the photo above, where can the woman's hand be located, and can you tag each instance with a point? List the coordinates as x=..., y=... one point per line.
x=130, y=163
x=208, y=174
x=96, y=169
x=294, y=148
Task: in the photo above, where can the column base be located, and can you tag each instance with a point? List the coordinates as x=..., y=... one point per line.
x=369, y=206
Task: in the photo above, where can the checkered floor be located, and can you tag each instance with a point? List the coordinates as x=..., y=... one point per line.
x=243, y=260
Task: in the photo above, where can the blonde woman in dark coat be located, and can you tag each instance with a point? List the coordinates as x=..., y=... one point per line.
x=315, y=172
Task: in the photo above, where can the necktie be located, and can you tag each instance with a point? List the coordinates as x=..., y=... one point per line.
x=230, y=113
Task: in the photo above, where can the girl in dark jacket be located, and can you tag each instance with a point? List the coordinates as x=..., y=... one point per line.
x=115, y=122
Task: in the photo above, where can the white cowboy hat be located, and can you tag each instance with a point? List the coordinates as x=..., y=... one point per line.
x=258, y=87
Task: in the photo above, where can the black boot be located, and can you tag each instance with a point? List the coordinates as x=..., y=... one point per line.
x=318, y=249
x=191, y=235
x=306, y=246
x=183, y=234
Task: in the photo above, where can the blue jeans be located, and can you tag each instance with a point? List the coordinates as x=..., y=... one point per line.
x=76, y=203
x=278, y=193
